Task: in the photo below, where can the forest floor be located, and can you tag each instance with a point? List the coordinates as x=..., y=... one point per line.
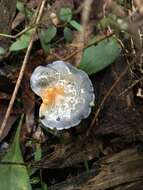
x=102, y=37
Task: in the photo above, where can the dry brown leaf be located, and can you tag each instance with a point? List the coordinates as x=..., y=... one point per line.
x=13, y=117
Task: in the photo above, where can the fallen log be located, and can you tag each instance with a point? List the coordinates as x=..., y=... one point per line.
x=123, y=168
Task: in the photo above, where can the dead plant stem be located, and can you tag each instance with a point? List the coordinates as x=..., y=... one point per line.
x=36, y=20
x=110, y=91
x=106, y=97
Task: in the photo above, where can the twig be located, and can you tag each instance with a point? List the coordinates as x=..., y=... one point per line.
x=84, y=20
x=12, y=163
x=71, y=55
x=86, y=46
x=17, y=35
x=105, y=98
x=131, y=86
x=37, y=17
x=110, y=91
x=67, y=57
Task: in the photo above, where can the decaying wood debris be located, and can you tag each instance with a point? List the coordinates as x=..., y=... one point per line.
x=121, y=170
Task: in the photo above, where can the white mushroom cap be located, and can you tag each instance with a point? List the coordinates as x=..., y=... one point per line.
x=67, y=94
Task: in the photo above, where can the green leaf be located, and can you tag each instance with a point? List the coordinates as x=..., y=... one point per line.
x=46, y=47
x=22, y=42
x=38, y=152
x=44, y=186
x=95, y=39
x=14, y=176
x=24, y=10
x=76, y=25
x=68, y=35
x=65, y=14
x=2, y=50
x=46, y=36
x=35, y=180
x=49, y=34
x=20, y=6
x=96, y=58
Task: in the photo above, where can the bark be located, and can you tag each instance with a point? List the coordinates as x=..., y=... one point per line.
x=124, y=169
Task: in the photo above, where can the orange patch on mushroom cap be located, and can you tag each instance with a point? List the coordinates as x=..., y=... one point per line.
x=50, y=94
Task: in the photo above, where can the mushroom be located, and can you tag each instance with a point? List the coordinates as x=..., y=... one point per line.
x=67, y=94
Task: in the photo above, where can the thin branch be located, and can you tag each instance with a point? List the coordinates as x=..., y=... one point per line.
x=131, y=86
x=17, y=35
x=36, y=20
x=85, y=18
x=84, y=21
x=109, y=93
x=105, y=98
